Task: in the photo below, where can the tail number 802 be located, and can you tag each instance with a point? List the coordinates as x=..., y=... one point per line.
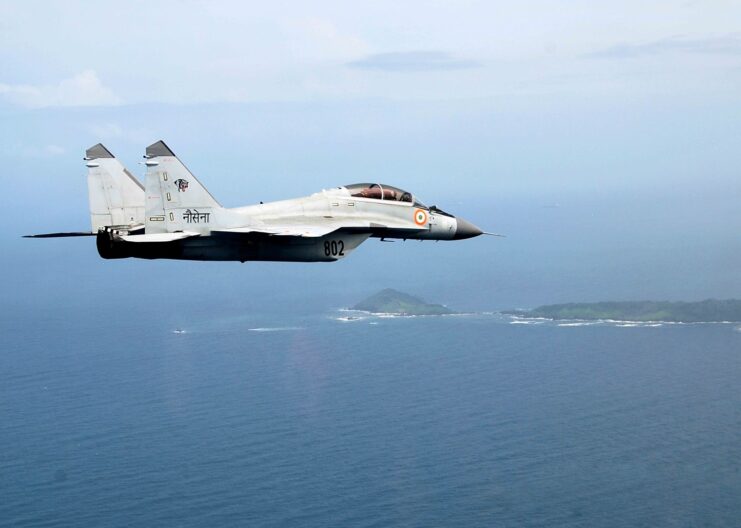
x=334, y=248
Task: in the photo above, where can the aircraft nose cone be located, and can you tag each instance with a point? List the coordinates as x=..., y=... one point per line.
x=465, y=229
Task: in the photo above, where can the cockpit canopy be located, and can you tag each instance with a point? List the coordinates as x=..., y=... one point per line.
x=377, y=191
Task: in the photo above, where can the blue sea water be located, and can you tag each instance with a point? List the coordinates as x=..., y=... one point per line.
x=268, y=412
x=301, y=419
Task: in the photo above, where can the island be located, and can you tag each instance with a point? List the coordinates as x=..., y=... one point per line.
x=708, y=311
x=390, y=301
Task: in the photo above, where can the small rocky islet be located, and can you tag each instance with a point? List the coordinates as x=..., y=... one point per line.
x=390, y=301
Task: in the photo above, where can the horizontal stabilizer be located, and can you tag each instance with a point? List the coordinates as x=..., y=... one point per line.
x=159, y=237
x=61, y=235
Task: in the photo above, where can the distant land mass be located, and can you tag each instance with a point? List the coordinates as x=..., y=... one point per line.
x=391, y=301
x=708, y=311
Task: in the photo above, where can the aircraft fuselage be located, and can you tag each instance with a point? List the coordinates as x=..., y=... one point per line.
x=173, y=216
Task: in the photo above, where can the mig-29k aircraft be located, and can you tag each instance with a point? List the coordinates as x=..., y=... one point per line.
x=173, y=216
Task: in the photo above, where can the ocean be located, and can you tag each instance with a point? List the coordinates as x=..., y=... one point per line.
x=306, y=419
x=268, y=411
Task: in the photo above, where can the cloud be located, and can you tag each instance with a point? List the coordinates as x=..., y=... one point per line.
x=83, y=89
x=412, y=61
x=54, y=150
x=38, y=152
x=728, y=45
x=319, y=38
x=110, y=131
x=107, y=130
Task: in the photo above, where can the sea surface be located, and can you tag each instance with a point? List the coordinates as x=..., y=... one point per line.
x=330, y=420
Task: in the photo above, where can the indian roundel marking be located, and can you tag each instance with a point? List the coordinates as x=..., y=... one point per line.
x=420, y=217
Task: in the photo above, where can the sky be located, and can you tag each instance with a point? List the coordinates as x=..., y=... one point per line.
x=602, y=138
x=185, y=52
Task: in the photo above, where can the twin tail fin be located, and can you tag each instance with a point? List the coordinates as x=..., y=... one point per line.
x=175, y=200
x=115, y=196
x=171, y=201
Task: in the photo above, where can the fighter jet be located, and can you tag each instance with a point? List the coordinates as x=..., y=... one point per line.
x=173, y=216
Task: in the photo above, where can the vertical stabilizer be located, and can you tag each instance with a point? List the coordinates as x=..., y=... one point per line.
x=176, y=200
x=116, y=197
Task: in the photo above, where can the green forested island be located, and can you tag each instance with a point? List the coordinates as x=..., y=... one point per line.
x=708, y=311
x=391, y=301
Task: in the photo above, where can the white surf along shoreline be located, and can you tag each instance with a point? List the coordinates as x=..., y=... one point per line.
x=351, y=315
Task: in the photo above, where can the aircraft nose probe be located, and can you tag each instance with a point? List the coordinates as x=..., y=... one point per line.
x=465, y=229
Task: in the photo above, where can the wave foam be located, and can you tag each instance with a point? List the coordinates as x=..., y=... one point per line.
x=348, y=319
x=276, y=329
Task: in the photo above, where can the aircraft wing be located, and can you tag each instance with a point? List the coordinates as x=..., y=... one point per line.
x=309, y=230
